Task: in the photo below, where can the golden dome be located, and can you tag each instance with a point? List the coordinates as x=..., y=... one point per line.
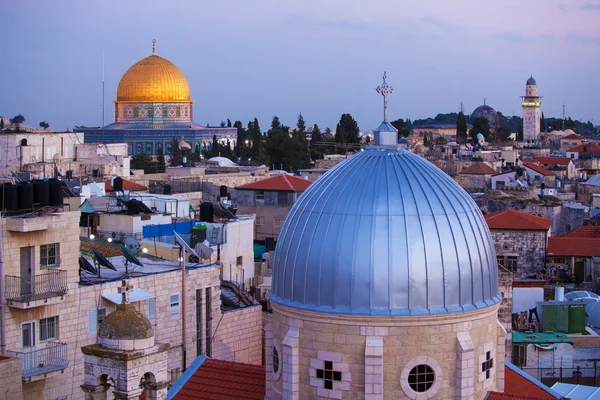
x=153, y=79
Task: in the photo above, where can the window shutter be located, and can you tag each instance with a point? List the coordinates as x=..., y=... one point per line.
x=152, y=308
x=93, y=321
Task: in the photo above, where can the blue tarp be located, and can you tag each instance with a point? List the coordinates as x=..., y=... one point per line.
x=151, y=231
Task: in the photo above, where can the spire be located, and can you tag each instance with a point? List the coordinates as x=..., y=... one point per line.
x=153, y=46
x=384, y=90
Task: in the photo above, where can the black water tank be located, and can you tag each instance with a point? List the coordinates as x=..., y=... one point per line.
x=69, y=174
x=41, y=193
x=223, y=191
x=56, y=192
x=197, y=236
x=206, y=212
x=134, y=207
x=270, y=243
x=167, y=189
x=24, y=196
x=118, y=184
x=9, y=193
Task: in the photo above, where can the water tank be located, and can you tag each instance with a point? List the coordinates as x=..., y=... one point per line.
x=9, y=196
x=198, y=235
x=41, y=193
x=24, y=196
x=118, y=184
x=134, y=207
x=69, y=174
x=206, y=212
x=167, y=189
x=56, y=193
x=223, y=191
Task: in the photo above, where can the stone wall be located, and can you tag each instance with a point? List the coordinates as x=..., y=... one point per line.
x=239, y=336
x=528, y=246
x=505, y=282
x=10, y=378
x=374, y=354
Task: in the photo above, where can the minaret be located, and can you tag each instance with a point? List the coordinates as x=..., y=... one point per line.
x=531, y=111
x=385, y=134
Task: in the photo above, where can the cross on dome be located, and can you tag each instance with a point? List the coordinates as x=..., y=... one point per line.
x=124, y=289
x=384, y=90
x=153, y=46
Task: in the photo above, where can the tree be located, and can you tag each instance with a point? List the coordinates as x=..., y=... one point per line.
x=328, y=132
x=557, y=125
x=228, y=123
x=17, y=120
x=520, y=134
x=316, y=136
x=569, y=124
x=347, y=130
x=301, y=124
x=440, y=140
x=503, y=134
x=175, y=154
x=480, y=125
x=141, y=161
x=160, y=160
x=461, y=128
x=1, y=123
x=44, y=125
x=399, y=124
x=214, y=149
x=542, y=123
x=256, y=135
x=275, y=123
x=222, y=125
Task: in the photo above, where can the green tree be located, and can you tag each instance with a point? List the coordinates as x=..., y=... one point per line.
x=256, y=135
x=569, y=124
x=316, y=136
x=141, y=161
x=1, y=123
x=480, y=125
x=542, y=123
x=275, y=123
x=347, y=130
x=17, y=120
x=503, y=134
x=44, y=125
x=440, y=140
x=228, y=123
x=175, y=153
x=403, y=130
x=328, y=132
x=214, y=149
x=520, y=134
x=461, y=128
x=160, y=160
x=301, y=124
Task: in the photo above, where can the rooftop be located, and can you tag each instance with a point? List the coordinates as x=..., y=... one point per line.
x=516, y=220
x=127, y=185
x=591, y=147
x=540, y=337
x=574, y=136
x=281, y=183
x=577, y=392
x=209, y=379
x=519, y=385
x=539, y=169
x=551, y=160
x=573, y=246
x=590, y=232
x=478, y=168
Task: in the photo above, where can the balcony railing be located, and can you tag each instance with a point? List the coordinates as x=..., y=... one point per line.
x=40, y=362
x=38, y=287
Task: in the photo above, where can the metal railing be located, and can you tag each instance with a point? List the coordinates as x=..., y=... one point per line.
x=39, y=362
x=38, y=287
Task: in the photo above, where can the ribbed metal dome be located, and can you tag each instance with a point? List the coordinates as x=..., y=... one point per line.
x=385, y=233
x=531, y=81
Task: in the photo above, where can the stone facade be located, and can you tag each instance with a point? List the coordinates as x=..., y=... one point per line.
x=529, y=248
x=78, y=309
x=372, y=355
x=10, y=378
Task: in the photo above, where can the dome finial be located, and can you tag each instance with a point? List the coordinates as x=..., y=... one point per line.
x=124, y=291
x=153, y=46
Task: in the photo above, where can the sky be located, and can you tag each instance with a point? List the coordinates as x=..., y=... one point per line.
x=260, y=58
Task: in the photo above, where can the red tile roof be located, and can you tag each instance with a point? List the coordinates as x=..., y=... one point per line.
x=591, y=147
x=478, y=168
x=590, y=232
x=127, y=185
x=224, y=380
x=573, y=247
x=516, y=220
x=538, y=169
x=551, y=160
x=282, y=182
x=573, y=136
x=519, y=386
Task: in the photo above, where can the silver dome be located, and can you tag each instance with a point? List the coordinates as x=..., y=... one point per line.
x=385, y=233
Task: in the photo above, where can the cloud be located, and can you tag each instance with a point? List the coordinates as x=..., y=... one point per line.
x=575, y=37
x=440, y=24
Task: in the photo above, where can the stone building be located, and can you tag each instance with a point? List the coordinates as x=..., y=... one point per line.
x=385, y=285
x=539, y=175
x=476, y=176
x=53, y=308
x=270, y=200
x=532, y=104
x=520, y=240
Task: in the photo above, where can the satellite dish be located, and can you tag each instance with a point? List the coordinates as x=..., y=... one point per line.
x=130, y=257
x=203, y=251
x=85, y=265
x=131, y=243
x=103, y=261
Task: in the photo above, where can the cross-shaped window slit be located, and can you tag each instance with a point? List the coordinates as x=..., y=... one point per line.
x=329, y=375
x=488, y=364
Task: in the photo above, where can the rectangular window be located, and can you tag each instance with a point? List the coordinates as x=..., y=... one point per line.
x=49, y=255
x=259, y=221
x=95, y=317
x=500, y=260
x=175, y=374
x=239, y=260
x=519, y=355
x=282, y=199
x=48, y=328
x=208, y=303
x=152, y=309
x=511, y=263
x=277, y=221
x=259, y=195
x=174, y=308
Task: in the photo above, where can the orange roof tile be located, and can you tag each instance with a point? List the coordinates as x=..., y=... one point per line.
x=551, y=160
x=573, y=136
x=127, y=185
x=573, y=246
x=590, y=232
x=520, y=386
x=282, y=182
x=478, y=168
x=224, y=380
x=516, y=220
x=538, y=169
x=591, y=147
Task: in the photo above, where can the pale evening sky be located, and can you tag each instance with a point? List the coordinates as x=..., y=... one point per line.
x=259, y=58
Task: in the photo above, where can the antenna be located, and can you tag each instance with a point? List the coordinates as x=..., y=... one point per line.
x=102, y=89
x=462, y=108
x=484, y=101
x=563, y=124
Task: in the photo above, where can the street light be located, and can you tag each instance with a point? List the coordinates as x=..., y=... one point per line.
x=109, y=240
x=92, y=236
x=144, y=250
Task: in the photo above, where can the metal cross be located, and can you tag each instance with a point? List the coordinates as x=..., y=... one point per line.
x=153, y=46
x=124, y=290
x=384, y=90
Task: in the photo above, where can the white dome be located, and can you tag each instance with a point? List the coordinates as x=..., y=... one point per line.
x=223, y=162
